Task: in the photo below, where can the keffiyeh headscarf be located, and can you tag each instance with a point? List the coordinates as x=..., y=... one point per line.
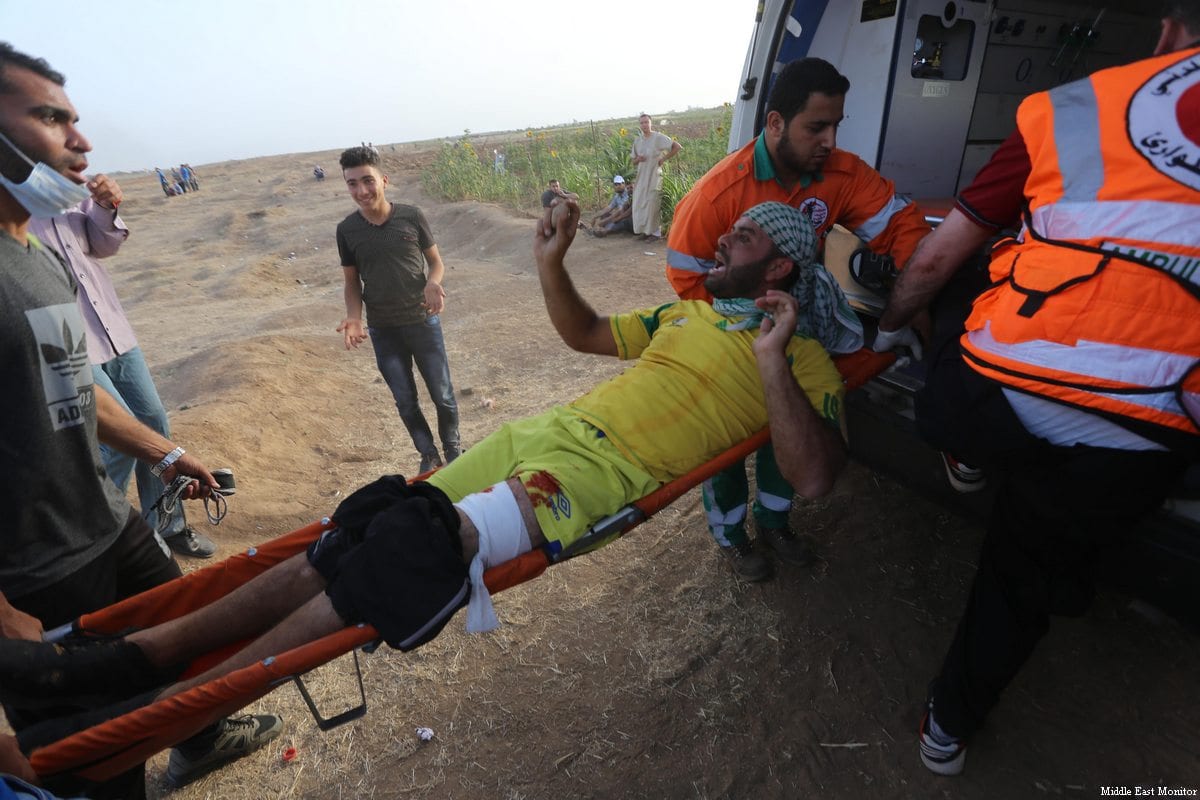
x=824, y=313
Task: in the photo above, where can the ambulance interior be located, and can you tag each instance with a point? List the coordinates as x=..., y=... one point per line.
x=934, y=89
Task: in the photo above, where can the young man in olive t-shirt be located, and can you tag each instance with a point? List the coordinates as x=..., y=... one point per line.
x=384, y=248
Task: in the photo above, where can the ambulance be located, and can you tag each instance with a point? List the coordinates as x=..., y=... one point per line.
x=934, y=89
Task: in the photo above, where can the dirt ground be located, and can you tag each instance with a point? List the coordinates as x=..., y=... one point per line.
x=641, y=671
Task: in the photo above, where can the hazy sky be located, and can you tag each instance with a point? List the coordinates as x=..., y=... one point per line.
x=159, y=83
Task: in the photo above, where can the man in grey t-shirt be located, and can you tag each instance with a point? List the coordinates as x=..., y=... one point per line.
x=71, y=543
x=384, y=248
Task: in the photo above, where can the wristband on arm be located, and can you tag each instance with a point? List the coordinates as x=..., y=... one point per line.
x=169, y=459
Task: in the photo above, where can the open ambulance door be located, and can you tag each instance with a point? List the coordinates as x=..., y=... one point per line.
x=934, y=89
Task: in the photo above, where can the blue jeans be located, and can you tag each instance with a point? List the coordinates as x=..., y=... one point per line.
x=396, y=348
x=127, y=379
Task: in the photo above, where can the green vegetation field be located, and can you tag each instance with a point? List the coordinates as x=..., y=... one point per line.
x=584, y=157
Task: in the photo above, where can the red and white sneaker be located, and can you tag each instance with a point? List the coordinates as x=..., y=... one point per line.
x=963, y=477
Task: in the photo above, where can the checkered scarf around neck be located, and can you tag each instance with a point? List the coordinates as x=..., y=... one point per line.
x=824, y=313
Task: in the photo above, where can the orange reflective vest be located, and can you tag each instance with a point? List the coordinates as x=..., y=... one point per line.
x=1095, y=303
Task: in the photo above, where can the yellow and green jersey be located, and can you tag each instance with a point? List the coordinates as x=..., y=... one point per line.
x=695, y=390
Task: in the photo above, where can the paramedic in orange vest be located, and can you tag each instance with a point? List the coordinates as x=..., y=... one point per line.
x=794, y=160
x=1078, y=373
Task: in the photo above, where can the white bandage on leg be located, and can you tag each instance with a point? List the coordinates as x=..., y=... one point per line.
x=502, y=537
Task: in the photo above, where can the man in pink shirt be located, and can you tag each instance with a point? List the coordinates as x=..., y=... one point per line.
x=93, y=230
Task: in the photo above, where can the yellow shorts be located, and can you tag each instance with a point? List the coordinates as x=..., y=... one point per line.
x=572, y=472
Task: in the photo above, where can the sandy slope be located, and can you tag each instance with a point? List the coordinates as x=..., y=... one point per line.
x=641, y=671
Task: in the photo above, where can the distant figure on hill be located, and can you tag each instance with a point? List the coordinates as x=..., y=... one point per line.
x=318, y=172
x=188, y=177
x=384, y=249
x=649, y=152
x=498, y=162
x=177, y=181
x=162, y=179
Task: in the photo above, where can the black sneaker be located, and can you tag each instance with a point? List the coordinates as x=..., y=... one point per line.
x=429, y=462
x=746, y=562
x=796, y=550
x=452, y=453
x=189, y=542
x=227, y=741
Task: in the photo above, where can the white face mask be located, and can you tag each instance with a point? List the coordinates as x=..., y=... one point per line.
x=46, y=192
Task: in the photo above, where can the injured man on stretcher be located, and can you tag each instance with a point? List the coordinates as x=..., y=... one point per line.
x=405, y=557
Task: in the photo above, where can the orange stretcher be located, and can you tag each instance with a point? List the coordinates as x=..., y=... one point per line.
x=110, y=748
